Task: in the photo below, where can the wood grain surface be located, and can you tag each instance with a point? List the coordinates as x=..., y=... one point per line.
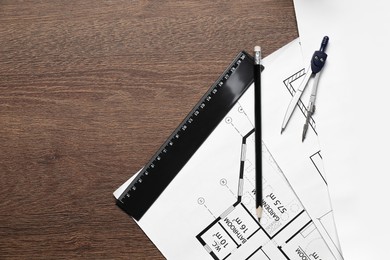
x=89, y=90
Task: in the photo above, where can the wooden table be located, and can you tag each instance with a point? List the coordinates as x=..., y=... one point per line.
x=89, y=90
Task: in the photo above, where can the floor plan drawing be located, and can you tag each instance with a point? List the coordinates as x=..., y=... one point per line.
x=286, y=230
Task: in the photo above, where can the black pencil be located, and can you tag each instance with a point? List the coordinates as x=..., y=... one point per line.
x=258, y=153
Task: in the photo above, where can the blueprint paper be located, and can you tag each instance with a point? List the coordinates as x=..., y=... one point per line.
x=208, y=210
x=352, y=111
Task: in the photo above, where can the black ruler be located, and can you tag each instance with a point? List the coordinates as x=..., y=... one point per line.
x=188, y=137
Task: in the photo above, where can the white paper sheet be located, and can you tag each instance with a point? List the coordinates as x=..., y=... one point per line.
x=352, y=115
x=208, y=210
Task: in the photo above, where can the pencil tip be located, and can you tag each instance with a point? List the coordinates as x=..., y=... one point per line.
x=281, y=132
x=259, y=212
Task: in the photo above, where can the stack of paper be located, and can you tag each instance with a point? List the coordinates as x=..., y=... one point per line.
x=208, y=210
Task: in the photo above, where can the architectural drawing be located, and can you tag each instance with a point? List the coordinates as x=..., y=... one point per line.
x=286, y=230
